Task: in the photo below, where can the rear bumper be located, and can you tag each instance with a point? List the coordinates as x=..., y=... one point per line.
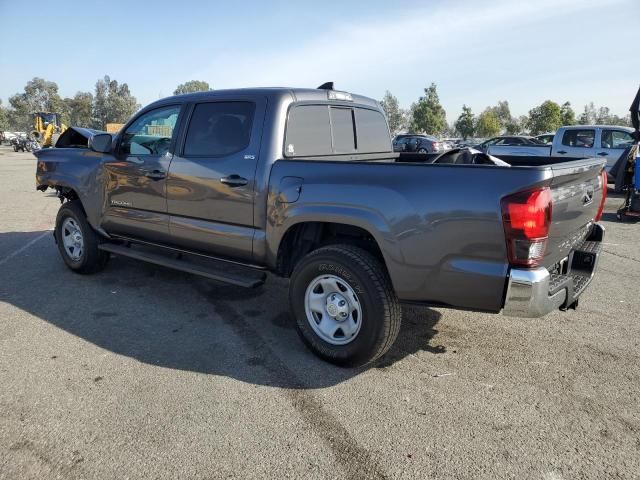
x=536, y=292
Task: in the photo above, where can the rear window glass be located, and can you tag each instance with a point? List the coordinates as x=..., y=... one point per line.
x=315, y=130
x=344, y=139
x=373, y=134
x=219, y=128
x=308, y=131
x=579, y=138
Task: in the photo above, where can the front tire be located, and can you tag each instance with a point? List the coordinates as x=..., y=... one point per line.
x=77, y=241
x=345, y=308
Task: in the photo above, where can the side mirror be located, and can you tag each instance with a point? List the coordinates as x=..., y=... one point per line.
x=101, y=143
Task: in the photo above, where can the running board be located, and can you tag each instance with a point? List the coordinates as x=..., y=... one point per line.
x=247, y=281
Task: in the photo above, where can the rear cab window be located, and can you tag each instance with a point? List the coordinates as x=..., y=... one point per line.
x=323, y=130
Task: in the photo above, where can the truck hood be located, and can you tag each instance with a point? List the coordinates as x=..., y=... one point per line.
x=76, y=137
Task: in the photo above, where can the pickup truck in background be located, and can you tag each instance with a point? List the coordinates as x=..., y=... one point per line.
x=304, y=183
x=572, y=142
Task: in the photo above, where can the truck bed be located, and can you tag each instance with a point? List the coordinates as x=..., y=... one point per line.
x=439, y=226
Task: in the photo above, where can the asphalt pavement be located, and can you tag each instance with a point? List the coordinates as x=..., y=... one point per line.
x=142, y=372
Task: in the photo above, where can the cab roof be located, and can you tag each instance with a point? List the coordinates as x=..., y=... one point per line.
x=296, y=94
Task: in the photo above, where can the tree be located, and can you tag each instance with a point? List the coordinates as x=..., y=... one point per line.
x=622, y=121
x=522, y=123
x=567, y=115
x=545, y=118
x=503, y=113
x=112, y=103
x=449, y=130
x=395, y=115
x=588, y=116
x=4, y=118
x=39, y=95
x=601, y=116
x=514, y=126
x=604, y=115
x=488, y=124
x=192, y=86
x=80, y=109
x=428, y=116
x=465, y=125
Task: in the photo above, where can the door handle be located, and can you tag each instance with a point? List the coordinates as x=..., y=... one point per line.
x=155, y=175
x=561, y=152
x=603, y=154
x=234, y=180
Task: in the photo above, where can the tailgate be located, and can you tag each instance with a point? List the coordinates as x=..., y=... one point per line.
x=576, y=190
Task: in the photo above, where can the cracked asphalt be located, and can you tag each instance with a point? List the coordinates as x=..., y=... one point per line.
x=141, y=372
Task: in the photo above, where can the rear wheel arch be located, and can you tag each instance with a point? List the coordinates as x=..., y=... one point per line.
x=304, y=237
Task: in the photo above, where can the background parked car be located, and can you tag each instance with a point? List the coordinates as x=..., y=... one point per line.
x=7, y=137
x=450, y=143
x=546, y=138
x=417, y=144
x=469, y=142
x=508, y=140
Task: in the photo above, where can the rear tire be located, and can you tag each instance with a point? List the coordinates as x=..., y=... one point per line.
x=77, y=241
x=422, y=150
x=371, y=311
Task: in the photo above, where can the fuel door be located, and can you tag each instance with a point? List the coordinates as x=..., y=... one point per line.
x=289, y=189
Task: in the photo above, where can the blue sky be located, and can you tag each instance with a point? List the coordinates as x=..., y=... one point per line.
x=478, y=52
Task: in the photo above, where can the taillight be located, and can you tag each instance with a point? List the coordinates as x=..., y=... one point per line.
x=603, y=181
x=526, y=217
x=436, y=146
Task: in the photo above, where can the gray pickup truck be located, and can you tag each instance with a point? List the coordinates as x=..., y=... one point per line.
x=304, y=183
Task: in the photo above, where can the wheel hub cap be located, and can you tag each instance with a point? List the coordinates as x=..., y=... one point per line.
x=333, y=309
x=72, y=239
x=337, y=306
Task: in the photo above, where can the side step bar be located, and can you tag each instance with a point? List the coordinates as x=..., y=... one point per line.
x=247, y=281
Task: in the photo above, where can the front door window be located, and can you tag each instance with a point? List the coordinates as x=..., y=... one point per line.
x=151, y=133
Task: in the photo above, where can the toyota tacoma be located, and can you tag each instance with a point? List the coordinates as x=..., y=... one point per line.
x=304, y=183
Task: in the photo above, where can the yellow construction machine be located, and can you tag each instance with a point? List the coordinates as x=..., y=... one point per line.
x=47, y=127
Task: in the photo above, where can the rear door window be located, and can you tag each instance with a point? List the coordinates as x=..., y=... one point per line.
x=618, y=139
x=219, y=129
x=579, y=138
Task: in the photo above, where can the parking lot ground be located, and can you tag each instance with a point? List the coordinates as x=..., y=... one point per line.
x=142, y=372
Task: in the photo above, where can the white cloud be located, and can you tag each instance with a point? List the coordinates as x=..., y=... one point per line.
x=368, y=57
